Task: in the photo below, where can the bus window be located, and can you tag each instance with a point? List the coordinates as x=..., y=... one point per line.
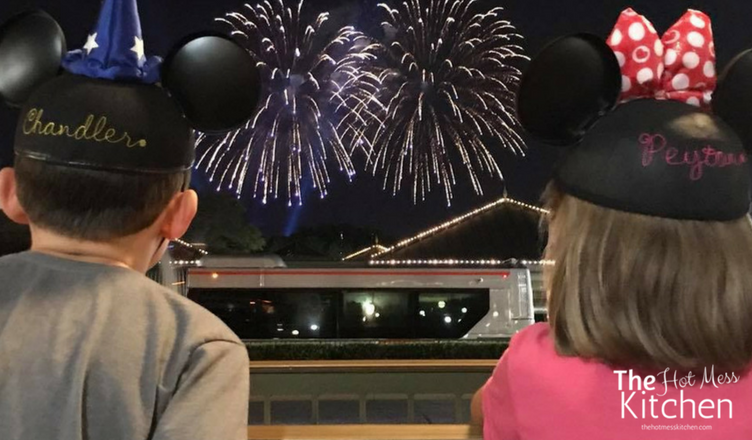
x=299, y=313
x=369, y=313
x=448, y=314
x=330, y=313
x=236, y=307
x=270, y=314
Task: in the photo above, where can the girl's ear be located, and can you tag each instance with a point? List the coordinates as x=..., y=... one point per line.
x=214, y=80
x=732, y=100
x=567, y=87
x=32, y=46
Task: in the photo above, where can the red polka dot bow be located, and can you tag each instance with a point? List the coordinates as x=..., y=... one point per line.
x=679, y=66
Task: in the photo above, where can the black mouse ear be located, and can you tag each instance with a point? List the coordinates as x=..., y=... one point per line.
x=732, y=99
x=567, y=87
x=32, y=47
x=214, y=80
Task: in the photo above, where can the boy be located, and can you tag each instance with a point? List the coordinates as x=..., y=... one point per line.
x=89, y=347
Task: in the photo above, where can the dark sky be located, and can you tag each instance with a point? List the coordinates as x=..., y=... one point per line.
x=362, y=202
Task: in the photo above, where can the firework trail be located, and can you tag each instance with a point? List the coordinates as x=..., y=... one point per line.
x=452, y=93
x=317, y=97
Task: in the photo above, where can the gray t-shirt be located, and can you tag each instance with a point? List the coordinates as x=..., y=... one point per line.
x=93, y=352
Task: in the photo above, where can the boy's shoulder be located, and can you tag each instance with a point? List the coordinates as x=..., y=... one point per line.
x=164, y=304
x=127, y=298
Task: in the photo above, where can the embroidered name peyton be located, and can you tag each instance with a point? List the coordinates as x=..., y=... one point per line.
x=92, y=129
x=655, y=145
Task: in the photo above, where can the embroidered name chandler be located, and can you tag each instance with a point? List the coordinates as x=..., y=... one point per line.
x=655, y=147
x=92, y=129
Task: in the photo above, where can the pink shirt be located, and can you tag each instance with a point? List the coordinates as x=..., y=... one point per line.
x=535, y=394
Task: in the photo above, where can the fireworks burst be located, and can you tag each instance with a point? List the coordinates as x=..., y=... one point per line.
x=453, y=93
x=315, y=101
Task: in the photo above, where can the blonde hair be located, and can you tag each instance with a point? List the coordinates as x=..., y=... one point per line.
x=630, y=289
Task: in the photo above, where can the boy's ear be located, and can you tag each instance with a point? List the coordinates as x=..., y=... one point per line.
x=179, y=214
x=8, y=198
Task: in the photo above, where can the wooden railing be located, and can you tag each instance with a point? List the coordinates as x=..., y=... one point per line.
x=382, y=366
x=290, y=393
x=365, y=432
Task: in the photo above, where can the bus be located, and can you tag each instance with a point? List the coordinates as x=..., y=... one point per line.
x=364, y=303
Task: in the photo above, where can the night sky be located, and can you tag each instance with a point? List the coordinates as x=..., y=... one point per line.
x=362, y=202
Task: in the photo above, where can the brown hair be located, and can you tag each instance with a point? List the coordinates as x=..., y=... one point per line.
x=89, y=204
x=629, y=289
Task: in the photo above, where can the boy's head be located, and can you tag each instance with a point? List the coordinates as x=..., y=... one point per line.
x=92, y=205
x=113, y=165
x=105, y=168
x=105, y=145
x=99, y=207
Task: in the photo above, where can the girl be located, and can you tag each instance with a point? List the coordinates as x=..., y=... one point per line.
x=650, y=298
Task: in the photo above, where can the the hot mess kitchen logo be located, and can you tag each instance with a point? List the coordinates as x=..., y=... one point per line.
x=646, y=397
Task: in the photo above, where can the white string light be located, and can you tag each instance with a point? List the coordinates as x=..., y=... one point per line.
x=378, y=247
x=186, y=262
x=538, y=262
x=458, y=220
x=188, y=245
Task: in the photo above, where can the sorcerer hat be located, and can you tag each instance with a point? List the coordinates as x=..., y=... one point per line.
x=648, y=128
x=110, y=107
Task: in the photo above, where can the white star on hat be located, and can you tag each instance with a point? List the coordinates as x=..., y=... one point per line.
x=138, y=47
x=91, y=43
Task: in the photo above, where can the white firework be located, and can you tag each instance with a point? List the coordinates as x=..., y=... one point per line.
x=449, y=95
x=316, y=101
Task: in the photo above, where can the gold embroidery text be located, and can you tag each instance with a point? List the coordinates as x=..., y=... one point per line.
x=92, y=129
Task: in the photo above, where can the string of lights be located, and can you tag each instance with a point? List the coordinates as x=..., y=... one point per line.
x=192, y=247
x=538, y=262
x=186, y=262
x=458, y=220
x=377, y=247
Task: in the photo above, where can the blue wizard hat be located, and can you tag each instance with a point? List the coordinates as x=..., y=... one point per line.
x=109, y=106
x=115, y=47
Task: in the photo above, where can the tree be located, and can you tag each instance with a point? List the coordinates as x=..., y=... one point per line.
x=221, y=224
x=325, y=242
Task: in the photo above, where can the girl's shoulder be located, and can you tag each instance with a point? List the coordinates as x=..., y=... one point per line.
x=532, y=352
x=538, y=332
x=535, y=340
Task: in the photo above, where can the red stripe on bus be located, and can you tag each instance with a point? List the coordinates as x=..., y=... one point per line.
x=206, y=272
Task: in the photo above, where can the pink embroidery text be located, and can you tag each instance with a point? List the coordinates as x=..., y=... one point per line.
x=656, y=148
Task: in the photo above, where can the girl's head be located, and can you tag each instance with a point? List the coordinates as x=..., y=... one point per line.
x=648, y=291
x=649, y=230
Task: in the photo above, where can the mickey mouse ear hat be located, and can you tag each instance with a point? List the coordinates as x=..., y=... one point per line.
x=648, y=128
x=108, y=106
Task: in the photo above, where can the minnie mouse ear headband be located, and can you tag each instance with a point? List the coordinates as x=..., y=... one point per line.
x=635, y=112
x=101, y=107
